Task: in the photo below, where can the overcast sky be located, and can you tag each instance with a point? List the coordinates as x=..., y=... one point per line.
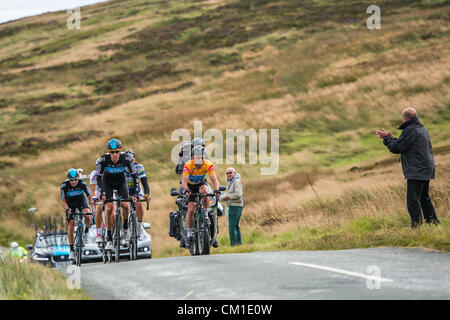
x=15, y=9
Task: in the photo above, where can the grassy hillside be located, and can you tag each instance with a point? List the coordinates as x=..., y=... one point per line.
x=138, y=70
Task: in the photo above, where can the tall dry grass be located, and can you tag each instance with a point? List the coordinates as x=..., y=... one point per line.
x=361, y=212
x=26, y=281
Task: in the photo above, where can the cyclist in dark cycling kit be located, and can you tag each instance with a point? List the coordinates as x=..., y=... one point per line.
x=75, y=195
x=111, y=176
x=144, y=194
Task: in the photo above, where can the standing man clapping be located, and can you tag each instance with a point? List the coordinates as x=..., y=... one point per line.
x=417, y=163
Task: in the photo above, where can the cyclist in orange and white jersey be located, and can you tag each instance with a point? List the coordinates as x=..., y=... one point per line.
x=194, y=181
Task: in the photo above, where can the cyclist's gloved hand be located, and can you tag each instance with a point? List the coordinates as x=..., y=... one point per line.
x=68, y=211
x=217, y=192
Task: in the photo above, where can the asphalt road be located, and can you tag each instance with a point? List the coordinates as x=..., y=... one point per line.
x=378, y=273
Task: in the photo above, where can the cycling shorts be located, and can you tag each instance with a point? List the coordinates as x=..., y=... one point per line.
x=80, y=205
x=122, y=191
x=195, y=188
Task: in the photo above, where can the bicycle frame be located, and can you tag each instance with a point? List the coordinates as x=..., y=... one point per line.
x=79, y=218
x=132, y=223
x=201, y=240
x=117, y=226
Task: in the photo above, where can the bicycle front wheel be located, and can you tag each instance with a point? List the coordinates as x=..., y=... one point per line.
x=78, y=247
x=117, y=226
x=205, y=241
x=194, y=245
x=134, y=238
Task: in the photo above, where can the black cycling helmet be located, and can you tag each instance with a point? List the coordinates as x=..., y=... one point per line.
x=131, y=154
x=73, y=174
x=114, y=145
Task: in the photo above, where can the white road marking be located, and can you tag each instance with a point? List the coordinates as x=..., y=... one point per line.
x=187, y=295
x=349, y=273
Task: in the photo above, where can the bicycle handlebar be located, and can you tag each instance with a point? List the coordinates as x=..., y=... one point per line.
x=129, y=200
x=119, y=200
x=143, y=200
x=201, y=194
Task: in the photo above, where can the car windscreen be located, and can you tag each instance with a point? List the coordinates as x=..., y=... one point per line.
x=51, y=240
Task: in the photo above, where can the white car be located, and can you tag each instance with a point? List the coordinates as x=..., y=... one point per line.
x=92, y=252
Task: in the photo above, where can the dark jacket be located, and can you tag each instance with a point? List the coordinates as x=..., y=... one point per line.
x=415, y=148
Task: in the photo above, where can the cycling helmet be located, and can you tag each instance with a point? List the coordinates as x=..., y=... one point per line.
x=73, y=173
x=198, y=155
x=197, y=142
x=114, y=145
x=131, y=154
x=14, y=245
x=198, y=151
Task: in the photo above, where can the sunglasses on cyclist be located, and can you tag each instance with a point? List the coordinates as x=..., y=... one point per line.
x=117, y=151
x=73, y=180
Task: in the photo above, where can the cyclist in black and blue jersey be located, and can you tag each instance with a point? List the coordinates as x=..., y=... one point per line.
x=111, y=176
x=144, y=194
x=75, y=195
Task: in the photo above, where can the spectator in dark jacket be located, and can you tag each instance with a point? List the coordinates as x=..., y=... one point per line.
x=417, y=163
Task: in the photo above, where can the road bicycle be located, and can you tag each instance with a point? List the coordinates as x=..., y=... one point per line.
x=79, y=243
x=132, y=224
x=203, y=233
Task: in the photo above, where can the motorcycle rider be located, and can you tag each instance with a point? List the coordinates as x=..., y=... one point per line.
x=183, y=156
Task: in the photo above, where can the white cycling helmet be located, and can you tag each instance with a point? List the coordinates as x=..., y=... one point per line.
x=14, y=245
